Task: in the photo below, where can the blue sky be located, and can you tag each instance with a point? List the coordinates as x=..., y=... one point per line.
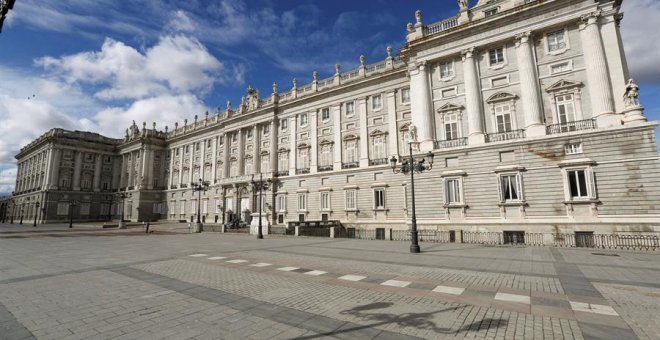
x=99, y=64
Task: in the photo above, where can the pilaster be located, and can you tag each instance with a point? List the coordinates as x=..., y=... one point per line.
x=336, y=132
x=293, y=154
x=393, y=142
x=529, y=86
x=97, y=173
x=76, y=171
x=313, y=161
x=474, y=104
x=274, y=132
x=420, y=105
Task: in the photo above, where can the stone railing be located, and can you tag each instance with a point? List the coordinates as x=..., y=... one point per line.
x=325, y=83
x=350, y=165
x=441, y=26
x=452, y=143
x=322, y=168
x=504, y=136
x=302, y=171
x=379, y=161
x=579, y=125
x=283, y=173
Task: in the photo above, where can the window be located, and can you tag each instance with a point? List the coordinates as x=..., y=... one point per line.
x=565, y=108
x=447, y=70
x=325, y=114
x=205, y=207
x=573, y=148
x=376, y=102
x=218, y=203
x=349, y=108
x=511, y=188
x=177, y=151
x=379, y=198
x=491, y=12
x=561, y=68
x=197, y=146
x=379, y=147
x=451, y=126
x=503, y=117
x=193, y=206
x=581, y=184
x=284, y=124
x=453, y=191
x=325, y=200
x=283, y=161
x=187, y=148
x=280, y=203
x=302, y=202
x=351, y=199
x=266, y=130
x=556, y=41
x=303, y=158
x=303, y=119
x=405, y=95
x=233, y=168
x=496, y=56
x=208, y=144
x=249, y=166
x=183, y=207
x=326, y=155
x=351, y=151
x=249, y=134
x=499, y=81
x=265, y=163
x=450, y=92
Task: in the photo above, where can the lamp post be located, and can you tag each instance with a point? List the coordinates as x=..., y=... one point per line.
x=22, y=210
x=11, y=209
x=36, y=213
x=72, y=205
x=412, y=166
x=260, y=186
x=121, y=196
x=198, y=187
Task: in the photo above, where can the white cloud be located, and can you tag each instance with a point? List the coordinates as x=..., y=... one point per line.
x=177, y=64
x=7, y=180
x=641, y=37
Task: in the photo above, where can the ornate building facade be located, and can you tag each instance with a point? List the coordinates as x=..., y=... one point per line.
x=525, y=104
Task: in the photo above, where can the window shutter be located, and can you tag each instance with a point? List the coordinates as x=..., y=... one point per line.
x=499, y=188
x=521, y=187
x=592, y=183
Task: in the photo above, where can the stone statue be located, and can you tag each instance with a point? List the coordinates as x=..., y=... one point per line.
x=463, y=4
x=631, y=97
x=412, y=132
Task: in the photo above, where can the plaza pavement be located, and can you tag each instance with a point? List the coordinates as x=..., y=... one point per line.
x=94, y=283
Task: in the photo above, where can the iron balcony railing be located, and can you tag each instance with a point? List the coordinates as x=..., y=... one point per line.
x=379, y=161
x=451, y=143
x=283, y=173
x=504, y=136
x=588, y=124
x=302, y=171
x=325, y=168
x=350, y=165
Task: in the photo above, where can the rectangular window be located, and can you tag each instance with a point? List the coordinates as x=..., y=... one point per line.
x=325, y=200
x=511, y=188
x=284, y=124
x=446, y=93
x=405, y=95
x=376, y=102
x=302, y=202
x=266, y=129
x=351, y=151
x=183, y=207
x=303, y=159
x=573, y=148
x=556, y=41
x=491, y=12
x=197, y=146
x=503, y=117
x=233, y=169
x=283, y=161
x=580, y=184
x=565, y=108
x=248, y=166
x=560, y=68
x=379, y=198
x=499, y=81
x=351, y=199
x=447, y=70
x=205, y=207
x=379, y=147
x=265, y=163
x=303, y=120
x=451, y=131
x=326, y=155
x=280, y=204
x=249, y=134
x=496, y=56
x=349, y=108
x=325, y=114
x=453, y=191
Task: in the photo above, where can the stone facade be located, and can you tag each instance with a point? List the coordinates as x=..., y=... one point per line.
x=521, y=102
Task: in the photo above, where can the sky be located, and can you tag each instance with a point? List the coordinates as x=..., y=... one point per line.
x=97, y=65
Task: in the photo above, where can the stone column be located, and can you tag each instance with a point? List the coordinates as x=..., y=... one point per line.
x=393, y=140
x=130, y=167
x=147, y=169
x=77, y=171
x=225, y=155
x=293, y=125
x=202, y=161
x=364, y=133
x=50, y=167
x=274, y=132
x=529, y=86
x=214, y=160
x=241, y=153
x=191, y=165
x=314, y=141
x=122, y=171
x=336, y=132
x=181, y=165
x=474, y=105
x=170, y=178
x=256, y=153
x=97, y=173
x=421, y=106
x=598, y=80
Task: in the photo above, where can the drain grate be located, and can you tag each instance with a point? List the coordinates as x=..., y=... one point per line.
x=605, y=254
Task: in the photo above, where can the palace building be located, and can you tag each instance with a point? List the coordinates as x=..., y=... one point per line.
x=526, y=106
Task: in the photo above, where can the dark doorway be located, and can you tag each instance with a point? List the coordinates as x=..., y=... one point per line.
x=514, y=237
x=584, y=239
x=452, y=236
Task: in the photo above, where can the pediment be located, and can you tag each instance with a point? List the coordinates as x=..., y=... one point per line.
x=282, y=150
x=264, y=152
x=351, y=137
x=562, y=85
x=303, y=146
x=501, y=97
x=326, y=142
x=377, y=133
x=405, y=126
x=450, y=107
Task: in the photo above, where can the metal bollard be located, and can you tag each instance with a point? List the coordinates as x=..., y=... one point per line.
x=146, y=231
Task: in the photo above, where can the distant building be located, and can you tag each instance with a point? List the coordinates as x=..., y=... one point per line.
x=5, y=6
x=526, y=106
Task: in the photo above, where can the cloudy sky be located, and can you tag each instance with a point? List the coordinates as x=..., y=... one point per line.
x=100, y=64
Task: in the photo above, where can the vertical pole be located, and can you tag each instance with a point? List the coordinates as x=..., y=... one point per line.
x=260, y=235
x=414, y=246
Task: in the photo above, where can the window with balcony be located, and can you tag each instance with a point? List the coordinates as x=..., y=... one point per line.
x=351, y=147
x=451, y=126
x=303, y=158
x=283, y=161
x=565, y=108
x=325, y=159
x=503, y=117
x=265, y=163
x=379, y=147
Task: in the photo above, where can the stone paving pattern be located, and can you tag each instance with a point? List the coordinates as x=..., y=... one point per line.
x=87, y=283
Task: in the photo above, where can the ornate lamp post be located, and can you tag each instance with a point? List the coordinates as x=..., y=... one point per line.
x=198, y=187
x=412, y=166
x=121, y=196
x=22, y=209
x=36, y=213
x=72, y=205
x=260, y=186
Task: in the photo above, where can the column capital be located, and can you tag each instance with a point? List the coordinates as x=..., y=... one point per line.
x=589, y=19
x=467, y=53
x=522, y=38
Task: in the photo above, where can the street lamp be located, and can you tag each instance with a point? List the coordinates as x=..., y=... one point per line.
x=412, y=166
x=259, y=186
x=11, y=209
x=121, y=196
x=22, y=209
x=198, y=187
x=36, y=213
x=72, y=205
